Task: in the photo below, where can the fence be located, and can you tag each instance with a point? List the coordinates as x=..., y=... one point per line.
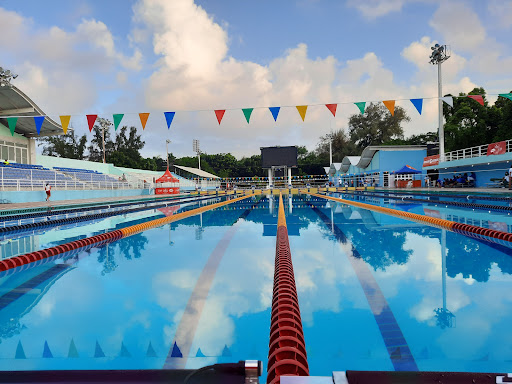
x=478, y=151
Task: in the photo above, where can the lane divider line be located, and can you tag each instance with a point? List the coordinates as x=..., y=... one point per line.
x=486, y=234
x=287, y=348
x=107, y=237
x=398, y=350
x=186, y=330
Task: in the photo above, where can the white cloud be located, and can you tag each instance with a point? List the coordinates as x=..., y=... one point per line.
x=501, y=11
x=372, y=9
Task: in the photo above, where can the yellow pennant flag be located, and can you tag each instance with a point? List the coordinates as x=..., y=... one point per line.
x=143, y=119
x=390, y=105
x=302, y=110
x=64, y=121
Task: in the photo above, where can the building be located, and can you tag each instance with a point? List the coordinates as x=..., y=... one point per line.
x=376, y=165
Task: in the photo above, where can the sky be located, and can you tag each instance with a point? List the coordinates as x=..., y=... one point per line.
x=193, y=57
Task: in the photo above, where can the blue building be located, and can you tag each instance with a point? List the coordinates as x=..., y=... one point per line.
x=376, y=165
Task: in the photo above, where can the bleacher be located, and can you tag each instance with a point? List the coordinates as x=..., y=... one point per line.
x=29, y=176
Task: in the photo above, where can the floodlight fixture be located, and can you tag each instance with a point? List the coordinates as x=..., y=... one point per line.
x=6, y=76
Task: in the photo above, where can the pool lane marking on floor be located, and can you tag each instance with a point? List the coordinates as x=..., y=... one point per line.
x=187, y=326
x=489, y=235
x=108, y=237
x=396, y=345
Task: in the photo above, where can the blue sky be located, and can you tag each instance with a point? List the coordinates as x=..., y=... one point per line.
x=121, y=56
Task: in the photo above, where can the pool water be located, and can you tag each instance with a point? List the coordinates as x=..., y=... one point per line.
x=376, y=293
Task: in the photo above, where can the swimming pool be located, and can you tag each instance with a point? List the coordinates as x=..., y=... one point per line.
x=376, y=292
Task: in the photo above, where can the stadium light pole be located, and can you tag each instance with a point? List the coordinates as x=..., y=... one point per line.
x=167, y=142
x=5, y=77
x=438, y=56
x=197, y=149
x=104, y=123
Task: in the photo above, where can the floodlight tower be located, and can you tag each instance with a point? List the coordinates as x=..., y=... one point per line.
x=197, y=149
x=167, y=142
x=438, y=56
x=5, y=77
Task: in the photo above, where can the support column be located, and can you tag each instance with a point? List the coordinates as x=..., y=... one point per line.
x=270, y=181
x=289, y=177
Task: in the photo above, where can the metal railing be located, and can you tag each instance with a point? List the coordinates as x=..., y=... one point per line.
x=467, y=153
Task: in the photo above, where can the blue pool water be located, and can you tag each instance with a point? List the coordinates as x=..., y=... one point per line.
x=376, y=292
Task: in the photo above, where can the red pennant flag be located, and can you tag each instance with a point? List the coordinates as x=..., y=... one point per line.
x=332, y=108
x=478, y=98
x=220, y=114
x=91, y=119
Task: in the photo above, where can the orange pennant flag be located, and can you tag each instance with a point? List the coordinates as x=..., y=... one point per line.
x=64, y=121
x=302, y=110
x=332, y=108
x=143, y=119
x=390, y=105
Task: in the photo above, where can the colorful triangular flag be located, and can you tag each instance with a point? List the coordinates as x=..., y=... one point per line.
x=220, y=114
x=176, y=351
x=361, y=106
x=151, y=351
x=98, y=352
x=124, y=351
x=38, y=120
x=64, y=121
x=275, y=112
x=20, y=353
x=478, y=98
x=143, y=119
x=507, y=95
x=11, y=121
x=390, y=105
x=200, y=353
x=302, y=110
x=47, y=354
x=117, y=119
x=72, y=352
x=448, y=100
x=169, y=116
x=418, y=103
x=332, y=108
x=91, y=119
x=247, y=113
x=226, y=352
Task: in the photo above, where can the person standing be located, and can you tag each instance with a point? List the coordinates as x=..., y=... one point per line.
x=510, y=177
x=48, y=190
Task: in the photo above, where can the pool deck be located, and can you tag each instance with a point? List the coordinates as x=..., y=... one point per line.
x=53, y=204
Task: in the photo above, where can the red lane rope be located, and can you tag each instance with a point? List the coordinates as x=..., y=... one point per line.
x=287, y=348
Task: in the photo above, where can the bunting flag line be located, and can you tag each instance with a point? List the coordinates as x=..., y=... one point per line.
x=91, y=119
x=361, y=106
x=478, y=98
x=302, y=110
x=507, y=95
x=64, y=121
x=143, y=119
x=448, y=100
x=169, y=116
x=418, y=103
x=11, y=122
x=247, y=113
x=220, y=114
x=38, y=120
x=332, y=108
x=390, y=105
x=117, y=119
x=274, y=111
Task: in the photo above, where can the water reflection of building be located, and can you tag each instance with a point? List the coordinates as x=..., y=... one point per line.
x=445, y=319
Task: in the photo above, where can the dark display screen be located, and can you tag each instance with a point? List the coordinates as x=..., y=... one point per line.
x=278, y=156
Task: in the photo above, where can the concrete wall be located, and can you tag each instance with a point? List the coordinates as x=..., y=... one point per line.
x=7, y=197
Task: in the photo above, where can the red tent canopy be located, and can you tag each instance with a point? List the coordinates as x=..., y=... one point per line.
x=167, y=177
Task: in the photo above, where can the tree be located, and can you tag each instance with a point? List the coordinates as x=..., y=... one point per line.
x=69, y=146
x=341, y=146
x=376, y=126
x=96, y=146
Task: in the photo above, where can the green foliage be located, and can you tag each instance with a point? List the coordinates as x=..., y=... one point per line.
x=376, y=126
x=68, y=146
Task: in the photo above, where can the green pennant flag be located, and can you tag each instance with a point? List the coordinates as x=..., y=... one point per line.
x=361, y=106
x=247, y=113
x=11, y=121
x=507, y=95
x=117, y=119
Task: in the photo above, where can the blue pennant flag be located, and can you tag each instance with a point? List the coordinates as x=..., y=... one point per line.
x=418, y=103
x=98, y=352
x=20, y=353
x=176, y=351
x=151, y=351
x=275, y=112
x=47, y=354
x=168, y=118
x=124, y=351
x=200, y=353
x=39, y=122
